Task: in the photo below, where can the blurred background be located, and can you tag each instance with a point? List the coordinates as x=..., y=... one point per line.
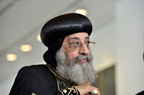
x=118, y=30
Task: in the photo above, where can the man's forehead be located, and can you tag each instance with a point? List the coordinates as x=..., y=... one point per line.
x=82, y=35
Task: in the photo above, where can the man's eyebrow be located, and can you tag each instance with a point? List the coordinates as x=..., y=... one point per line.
x=77, y=38
x=87, y=37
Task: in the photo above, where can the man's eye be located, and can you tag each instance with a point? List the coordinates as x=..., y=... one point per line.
x=87, y=42
x=75, y=43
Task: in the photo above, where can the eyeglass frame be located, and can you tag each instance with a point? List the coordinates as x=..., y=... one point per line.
x=80, y=44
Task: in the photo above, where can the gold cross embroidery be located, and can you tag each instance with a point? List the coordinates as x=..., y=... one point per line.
x=33, y=93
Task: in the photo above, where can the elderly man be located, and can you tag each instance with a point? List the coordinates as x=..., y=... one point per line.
x=68, y=69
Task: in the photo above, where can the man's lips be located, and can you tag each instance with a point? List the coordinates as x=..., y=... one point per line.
x=84, y=60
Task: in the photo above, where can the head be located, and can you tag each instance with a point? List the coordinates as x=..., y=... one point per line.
x=67, y=39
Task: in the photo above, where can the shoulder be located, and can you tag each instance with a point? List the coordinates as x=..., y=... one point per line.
x=34, y=71
x=33, y=68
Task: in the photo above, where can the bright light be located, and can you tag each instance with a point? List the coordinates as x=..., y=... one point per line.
x=11, y=57
x=81, y=11
x=38, y=38
x=26, y=48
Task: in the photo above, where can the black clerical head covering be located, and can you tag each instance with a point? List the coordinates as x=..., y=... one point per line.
x=56, y=29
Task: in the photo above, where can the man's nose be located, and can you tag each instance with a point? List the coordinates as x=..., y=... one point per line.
x=83, y=49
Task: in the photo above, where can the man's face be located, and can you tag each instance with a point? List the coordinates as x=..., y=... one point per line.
x=76, y=45
x=74, y=59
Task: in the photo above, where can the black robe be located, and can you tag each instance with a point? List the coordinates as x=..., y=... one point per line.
x=41, y=80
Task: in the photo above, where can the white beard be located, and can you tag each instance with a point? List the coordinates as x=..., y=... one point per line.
x=79, y=74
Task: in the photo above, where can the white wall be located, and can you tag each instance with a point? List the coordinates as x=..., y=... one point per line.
x=121, y=43
x=6, y=86
x=130, y=30
x=105, y=47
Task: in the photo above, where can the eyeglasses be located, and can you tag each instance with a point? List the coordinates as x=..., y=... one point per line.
x=78, y=44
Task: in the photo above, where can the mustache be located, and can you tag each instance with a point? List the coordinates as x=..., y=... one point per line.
x=81, y=57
